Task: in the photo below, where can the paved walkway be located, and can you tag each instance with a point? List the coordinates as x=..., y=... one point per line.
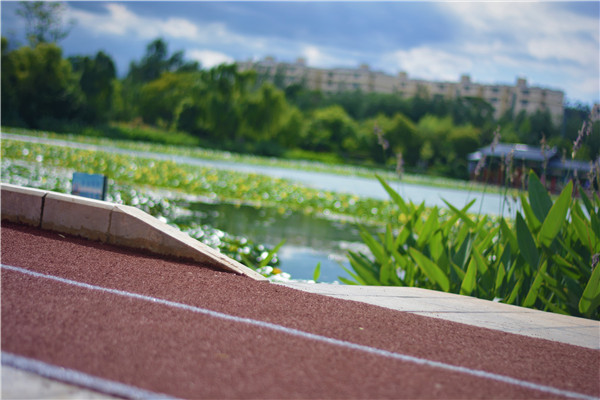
x=468, y=310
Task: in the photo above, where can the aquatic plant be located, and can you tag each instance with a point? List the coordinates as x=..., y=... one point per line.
x=546, y=259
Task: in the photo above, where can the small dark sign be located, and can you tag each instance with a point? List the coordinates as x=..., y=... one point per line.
x=92, y=186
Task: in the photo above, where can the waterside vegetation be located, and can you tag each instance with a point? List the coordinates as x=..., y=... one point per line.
x=545, y=259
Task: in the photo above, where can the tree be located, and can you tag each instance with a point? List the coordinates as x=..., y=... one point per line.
x=156, y=61
x=44, y=21
x=330, y=130
x=96, y=79
x=39, y=85
x=403, y=139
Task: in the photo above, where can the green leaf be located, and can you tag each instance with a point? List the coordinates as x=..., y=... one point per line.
x=556, y=216
x=532, y=220
x=363, y=268
x=317, y=272
x=358, y=280
x=482, y=265
x=538, y=196
x=436, y=247
x=515, y=291
x=376, y=248
x=532, y=295
x=590, y=300
x=430, y=226
x=462, y=213
x=394, y=196
x=346, y=281
x=433, y=272
x=464, y=252
x=500, y=274
x=271, y=254
x=583, y=229
x=586, y=200
x=508, y=234
x=385, y=272
x=526, y=243
x=468, y=284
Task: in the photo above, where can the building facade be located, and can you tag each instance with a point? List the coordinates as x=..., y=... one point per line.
x=502, y=98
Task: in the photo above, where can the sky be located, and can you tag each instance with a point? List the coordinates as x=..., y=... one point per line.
x=552, y=44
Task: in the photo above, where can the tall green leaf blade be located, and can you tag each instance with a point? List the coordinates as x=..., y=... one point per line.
x=363, y=269
x=385, y=272
x=394, y=195
x=532, y=220
x=436, y=246
x=376, y=248
x=469, y=282
x=532, y=294
x=317, y=272
x=587, y=202
x=271, y=254
x=464, y=252
x=526, y=243
x=538, y=197
x=433, y=272
x=430, y=226
x=462, y=213
x=508, y=234
x=556, y=216
x=583, y=229
x=500, y=274
x=590, y=299
x=515, y=292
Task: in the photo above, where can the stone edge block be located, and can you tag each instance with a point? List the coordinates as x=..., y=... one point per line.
x=77, y=216
x=22, y=205
x=107, y=222
x=134, y=228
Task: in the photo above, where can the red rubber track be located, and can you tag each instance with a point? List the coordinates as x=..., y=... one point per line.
x=190, y=355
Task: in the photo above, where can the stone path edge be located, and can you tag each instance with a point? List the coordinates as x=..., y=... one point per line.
x=109, y=223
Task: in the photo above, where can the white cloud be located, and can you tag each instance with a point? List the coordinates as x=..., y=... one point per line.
x=317, y=57
x=179, y=28
x=209, y=58
x=541, y=30
x=120, y=21
x=429, y=63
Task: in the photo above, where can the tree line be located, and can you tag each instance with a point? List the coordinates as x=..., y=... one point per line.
x=228, y=109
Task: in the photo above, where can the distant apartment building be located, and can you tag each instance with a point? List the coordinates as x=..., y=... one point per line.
x=502, y=98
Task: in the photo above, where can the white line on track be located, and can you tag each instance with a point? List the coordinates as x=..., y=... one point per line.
x=78, y=378
x=312, y=336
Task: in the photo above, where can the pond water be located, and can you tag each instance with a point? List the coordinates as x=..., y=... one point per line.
x=309, y=239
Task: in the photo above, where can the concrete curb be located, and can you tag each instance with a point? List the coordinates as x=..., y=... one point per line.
x=110, y=223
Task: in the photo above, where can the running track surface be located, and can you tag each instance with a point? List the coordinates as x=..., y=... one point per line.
x=161, y=326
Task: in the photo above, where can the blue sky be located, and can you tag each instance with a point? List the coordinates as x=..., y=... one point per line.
x=552, y=44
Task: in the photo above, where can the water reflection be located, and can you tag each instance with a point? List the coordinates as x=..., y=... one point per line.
x=309, y=239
